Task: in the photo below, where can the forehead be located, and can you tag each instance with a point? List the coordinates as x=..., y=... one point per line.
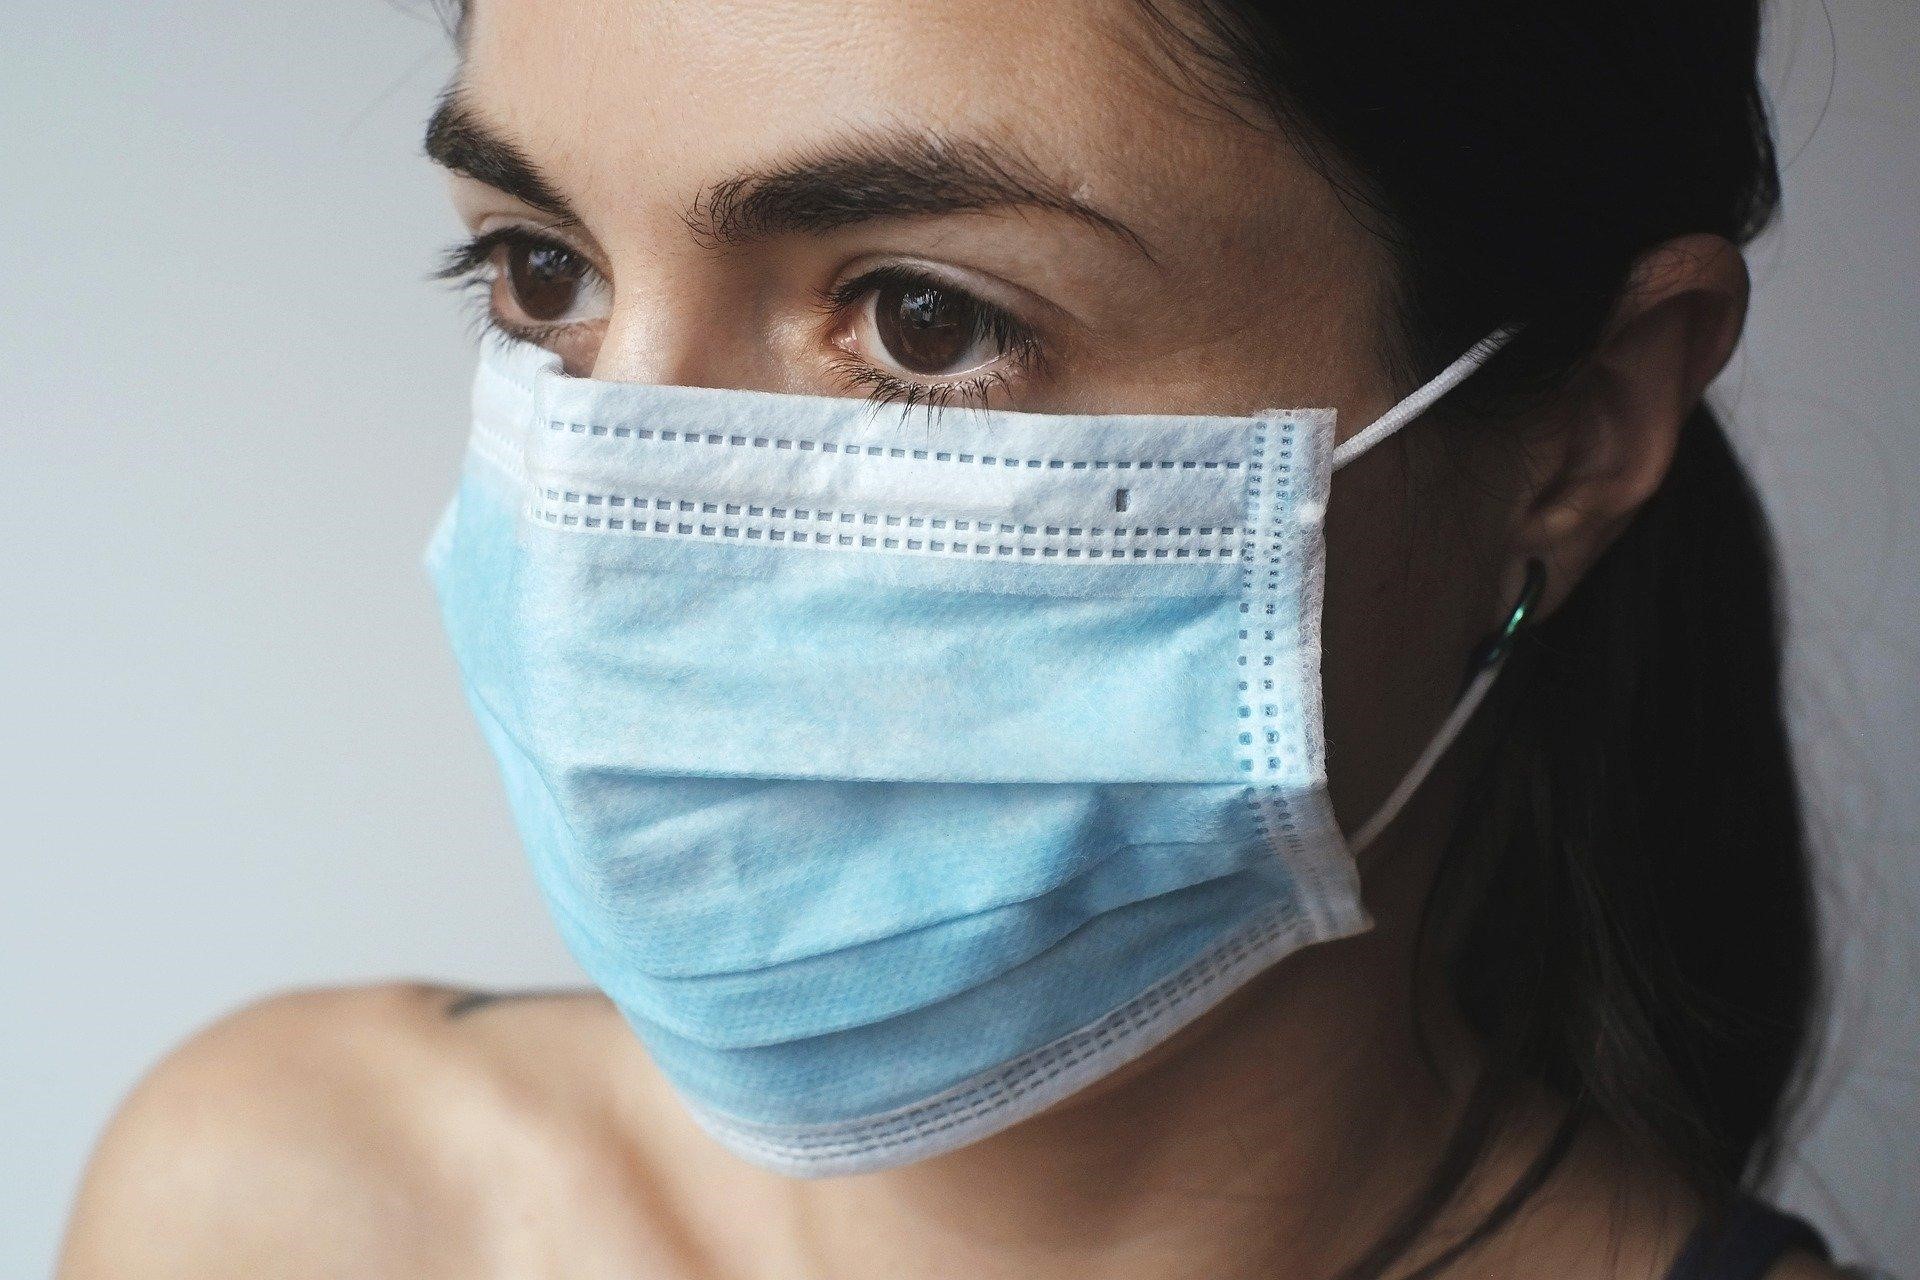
x=625, y=103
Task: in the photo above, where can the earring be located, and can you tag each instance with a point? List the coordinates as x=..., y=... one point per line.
x=1493, y=650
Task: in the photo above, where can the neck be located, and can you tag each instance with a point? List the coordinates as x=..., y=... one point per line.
x=1275, y=1137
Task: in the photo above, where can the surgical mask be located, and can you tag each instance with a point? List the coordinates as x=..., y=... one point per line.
x=898, y=775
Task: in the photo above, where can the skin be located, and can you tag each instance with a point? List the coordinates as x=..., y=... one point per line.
x=414, y=1131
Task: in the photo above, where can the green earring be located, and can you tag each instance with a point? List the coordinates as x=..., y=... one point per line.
x=1494, y=649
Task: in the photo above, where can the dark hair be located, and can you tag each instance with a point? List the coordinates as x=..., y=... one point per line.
x=1624, y=904
x=1625, y=901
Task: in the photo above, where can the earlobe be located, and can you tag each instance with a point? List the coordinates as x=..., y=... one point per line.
x=1615, y=431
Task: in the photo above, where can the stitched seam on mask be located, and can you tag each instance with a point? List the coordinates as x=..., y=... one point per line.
x=1316, y=856
x=873, y=449
x=494, y=365
x=497, y=449
x=1171, y=996
x=913, y=533
x=1264, y=639
x=1036, y=1069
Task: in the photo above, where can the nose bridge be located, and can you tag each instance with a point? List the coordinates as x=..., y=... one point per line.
x=677, y=321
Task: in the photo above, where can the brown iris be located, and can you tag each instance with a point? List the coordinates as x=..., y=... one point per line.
x=929, y=330
x=543, y=279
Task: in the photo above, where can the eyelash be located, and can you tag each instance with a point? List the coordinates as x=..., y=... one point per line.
x=1018, y=344
x=466, y=266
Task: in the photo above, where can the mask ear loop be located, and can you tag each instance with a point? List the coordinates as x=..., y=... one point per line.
x=1482, y=669
x=1423, y=399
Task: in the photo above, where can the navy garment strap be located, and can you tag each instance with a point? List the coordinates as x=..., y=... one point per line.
x=1744, y=1243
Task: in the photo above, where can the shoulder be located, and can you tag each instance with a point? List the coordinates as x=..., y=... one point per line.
x=288, y=1131
x=1610, y=1210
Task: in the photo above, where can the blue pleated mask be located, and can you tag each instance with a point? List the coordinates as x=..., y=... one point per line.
x=896, y=774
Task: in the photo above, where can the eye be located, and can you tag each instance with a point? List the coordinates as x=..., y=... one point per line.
x=909, y=323
x=932, y=331
x=537, y=281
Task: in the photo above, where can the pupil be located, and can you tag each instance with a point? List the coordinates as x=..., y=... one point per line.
x=545, y=280
x=926, y=329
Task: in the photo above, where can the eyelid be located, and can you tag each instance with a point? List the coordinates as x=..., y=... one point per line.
x=1025, y=344
x=1016, y=303
x=498, y=227
x=1023, y=347
x=469, y=265
x=1023, y=340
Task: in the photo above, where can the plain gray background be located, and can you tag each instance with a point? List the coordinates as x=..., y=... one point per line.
x=233, y=757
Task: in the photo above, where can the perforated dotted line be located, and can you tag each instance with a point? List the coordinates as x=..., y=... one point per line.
x=894, y=451
x=916, y=533
x=1262, y=558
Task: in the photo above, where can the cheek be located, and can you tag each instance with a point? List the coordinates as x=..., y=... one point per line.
x=1413, y=566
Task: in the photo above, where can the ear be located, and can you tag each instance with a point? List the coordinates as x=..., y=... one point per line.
x=1611, y=437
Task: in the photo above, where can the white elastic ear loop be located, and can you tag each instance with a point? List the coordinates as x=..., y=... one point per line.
x=1423, y=399
x=1470, y=699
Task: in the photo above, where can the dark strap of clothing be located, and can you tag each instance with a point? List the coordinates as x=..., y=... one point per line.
x=1744, y=1243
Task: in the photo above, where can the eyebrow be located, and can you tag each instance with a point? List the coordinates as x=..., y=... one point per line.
x=863, y=176
x=856, y=178
x=459, y=140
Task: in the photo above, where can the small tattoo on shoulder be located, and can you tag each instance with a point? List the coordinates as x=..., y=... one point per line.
x=473, y=1001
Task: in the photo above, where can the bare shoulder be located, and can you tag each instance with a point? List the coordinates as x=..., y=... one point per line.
x=1610, y=1211
x=305, y=1130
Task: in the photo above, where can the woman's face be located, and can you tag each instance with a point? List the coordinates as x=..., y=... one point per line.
x=1031, y=206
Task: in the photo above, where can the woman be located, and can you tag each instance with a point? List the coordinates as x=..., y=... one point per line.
x=952, y=797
